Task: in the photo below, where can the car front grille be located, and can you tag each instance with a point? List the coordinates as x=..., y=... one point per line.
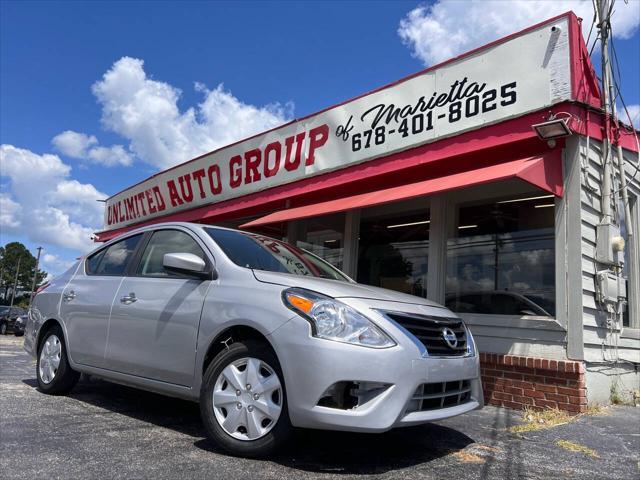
x=430, y=331
x=434, y=396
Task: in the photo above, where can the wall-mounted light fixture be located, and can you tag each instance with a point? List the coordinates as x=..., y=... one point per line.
x=552, y=130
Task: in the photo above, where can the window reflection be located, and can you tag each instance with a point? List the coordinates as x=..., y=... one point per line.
x=114, y=260
x=393, y=252
x=501, y=259
x=161, y=243
x=324, y=237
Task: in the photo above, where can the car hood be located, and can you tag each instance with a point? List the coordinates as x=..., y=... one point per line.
x=338, y=289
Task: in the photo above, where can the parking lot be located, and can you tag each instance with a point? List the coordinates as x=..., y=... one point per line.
x=102, y=430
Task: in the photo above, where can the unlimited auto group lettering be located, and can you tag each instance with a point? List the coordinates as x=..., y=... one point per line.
x=253, y=166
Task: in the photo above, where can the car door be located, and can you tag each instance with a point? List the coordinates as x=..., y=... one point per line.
x=156, y=314
x=87, y=299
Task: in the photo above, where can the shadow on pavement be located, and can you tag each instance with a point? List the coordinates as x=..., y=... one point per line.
x=358, y=453
x=180, y=415
x=311, y=450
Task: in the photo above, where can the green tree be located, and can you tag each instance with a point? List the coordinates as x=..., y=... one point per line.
x=9, y=256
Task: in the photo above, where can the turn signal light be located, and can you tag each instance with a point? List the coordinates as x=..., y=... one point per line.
x=300, y=303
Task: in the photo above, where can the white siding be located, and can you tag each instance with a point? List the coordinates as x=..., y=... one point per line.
x=600, y=342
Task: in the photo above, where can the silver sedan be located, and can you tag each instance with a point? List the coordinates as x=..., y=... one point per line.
x=264, y=335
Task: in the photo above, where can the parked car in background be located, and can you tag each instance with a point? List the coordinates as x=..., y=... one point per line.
x=264, y=335
x=19, y=325
x=500, y=302
x=8, y=316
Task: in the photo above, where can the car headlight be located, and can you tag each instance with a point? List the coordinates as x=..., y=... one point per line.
x=333, y=320
x=471, y=344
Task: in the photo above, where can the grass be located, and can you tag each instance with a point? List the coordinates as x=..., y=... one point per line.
x=541, y=419
x=549, y=417
x=576, y=447
x=615, y=397
x=467, y=457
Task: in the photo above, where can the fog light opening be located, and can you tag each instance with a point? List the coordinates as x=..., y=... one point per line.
x=349, y=395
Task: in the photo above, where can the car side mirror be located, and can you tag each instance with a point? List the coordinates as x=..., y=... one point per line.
x=186, y=263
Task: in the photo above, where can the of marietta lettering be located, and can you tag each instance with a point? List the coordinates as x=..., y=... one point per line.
x=464, y=100
x=253, y=166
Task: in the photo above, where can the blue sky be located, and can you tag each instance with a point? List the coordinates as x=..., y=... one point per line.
x=275, y=61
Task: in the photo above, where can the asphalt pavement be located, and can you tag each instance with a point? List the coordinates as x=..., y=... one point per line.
x=103, y=430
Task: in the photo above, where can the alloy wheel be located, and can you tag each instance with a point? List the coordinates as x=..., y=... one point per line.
x=50, y=359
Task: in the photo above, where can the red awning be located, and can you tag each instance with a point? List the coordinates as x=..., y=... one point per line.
x=543, y=172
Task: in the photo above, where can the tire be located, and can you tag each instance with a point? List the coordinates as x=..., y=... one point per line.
x=3, y=328
x=54, y=379
x=269, y=432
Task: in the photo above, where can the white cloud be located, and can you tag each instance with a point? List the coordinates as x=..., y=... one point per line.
x=73, y=144
x=146, y=112
x=110, y=156
x=9, y=212
x=44, y=204
x=450, y=27
x=634, y=113
x=85, y=147
x=52, y=262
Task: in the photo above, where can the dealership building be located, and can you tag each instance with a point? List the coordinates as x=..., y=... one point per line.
x=477, y=183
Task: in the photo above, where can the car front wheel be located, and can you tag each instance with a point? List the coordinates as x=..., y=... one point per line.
x=3, y=328
x=243, y=400
x=55, y=376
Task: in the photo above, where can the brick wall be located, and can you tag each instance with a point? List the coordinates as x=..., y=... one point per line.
x=515, y=382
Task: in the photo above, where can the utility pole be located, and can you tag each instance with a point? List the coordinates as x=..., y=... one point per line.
x=604, y=27
x=610, y=109
x=15, y=282
x=35, y=277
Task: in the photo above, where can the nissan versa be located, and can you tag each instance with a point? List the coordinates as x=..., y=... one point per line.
x=264, y=335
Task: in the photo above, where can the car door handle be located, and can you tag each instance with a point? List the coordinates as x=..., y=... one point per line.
x=67, y=297
x=128, y=299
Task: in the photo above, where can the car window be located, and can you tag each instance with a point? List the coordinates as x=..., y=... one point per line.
x=161, y=243
x=115, y=258
x=263, y=253
x=545, y=306
x=94, y=260
x=469, y=303
x=503, y=304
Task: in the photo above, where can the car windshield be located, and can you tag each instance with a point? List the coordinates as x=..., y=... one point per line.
x=258, y=252
x=4, y=310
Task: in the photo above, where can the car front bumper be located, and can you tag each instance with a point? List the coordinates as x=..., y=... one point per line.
x=312, y=365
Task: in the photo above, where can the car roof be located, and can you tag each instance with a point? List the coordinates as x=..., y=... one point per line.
x=157, y=226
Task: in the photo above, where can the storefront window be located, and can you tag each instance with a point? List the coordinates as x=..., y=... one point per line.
x=324, y=237
x=393, y=251
x=501, y=258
